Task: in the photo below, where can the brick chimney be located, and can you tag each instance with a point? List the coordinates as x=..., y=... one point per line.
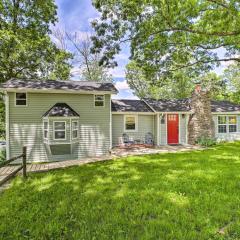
x=200, y=122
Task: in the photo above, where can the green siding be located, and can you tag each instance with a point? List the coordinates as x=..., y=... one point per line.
x=26, y=126
x=145, y=125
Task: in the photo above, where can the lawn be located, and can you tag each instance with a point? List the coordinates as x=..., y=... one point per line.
x=164, y=196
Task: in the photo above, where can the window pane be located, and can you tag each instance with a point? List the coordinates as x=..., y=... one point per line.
x=130, y=123
x=232, y=120
x=99, y=104
x=75, y=125
x=45, y=125
x=60, y=135
x=75, y=134
x=59, y=125
x=222, y=128
x=232, y=128
x=99, y=97
x=21, y=102
x=222, y=119
x=20, y=95
x=45, y=134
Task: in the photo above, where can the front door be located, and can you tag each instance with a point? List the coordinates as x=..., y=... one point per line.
x=172, y=128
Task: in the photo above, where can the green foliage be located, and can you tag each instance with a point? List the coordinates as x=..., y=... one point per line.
x=187, y=195
x=169, y=36
x=26, y=49
x=2, y=155
x=206, y=141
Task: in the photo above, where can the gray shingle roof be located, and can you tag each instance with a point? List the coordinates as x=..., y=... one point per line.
x=61, y=110
x=224, y=106
x=172, y=105
x=124, y=105
x=59, y=85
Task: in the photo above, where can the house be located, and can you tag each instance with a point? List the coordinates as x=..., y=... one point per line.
x=60, y=120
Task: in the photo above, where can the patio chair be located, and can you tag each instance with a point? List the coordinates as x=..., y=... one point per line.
x=126, y=139
x=149, y=138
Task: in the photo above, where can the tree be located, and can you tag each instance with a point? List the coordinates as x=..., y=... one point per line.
x=180, y=85
x=86, y=61
x=26, y=49
x=169, y=36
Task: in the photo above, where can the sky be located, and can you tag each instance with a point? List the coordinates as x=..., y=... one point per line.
x=76, y=16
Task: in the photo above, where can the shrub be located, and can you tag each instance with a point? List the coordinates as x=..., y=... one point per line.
x=2, y=155
x=206, y=141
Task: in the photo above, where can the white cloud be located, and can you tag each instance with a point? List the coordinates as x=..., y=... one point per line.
x=118, y=72
x=123, y=85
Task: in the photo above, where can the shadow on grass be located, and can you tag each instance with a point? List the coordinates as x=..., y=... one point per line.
x=186, y=195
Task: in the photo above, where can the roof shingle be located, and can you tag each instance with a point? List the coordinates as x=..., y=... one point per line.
x=125, y=105
x=61, y=110
x=58, y=85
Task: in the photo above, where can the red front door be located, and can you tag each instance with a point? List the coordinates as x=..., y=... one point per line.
x=172, y=128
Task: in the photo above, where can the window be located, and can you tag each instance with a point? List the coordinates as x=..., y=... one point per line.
x=130, y=123
x=74, y=129
x=99, y=100
x=232, y=121
x=45, y=130
x=59, y=130
x=21, y=99
x=227, y=124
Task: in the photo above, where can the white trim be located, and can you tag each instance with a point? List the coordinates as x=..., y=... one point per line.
x=30, y=90
x=225, y=113
x=179, y=132
x=110, y=124
x=61, y=118
x=149, y=106
x=15, y=100
x=134, y=113
x=158, y=130
x=71, y=125
x=57, y=139
x=7, y=119
x=94, y=100
x=227, y=124
x=136, y=123
x=189, y=112
x=186, y=125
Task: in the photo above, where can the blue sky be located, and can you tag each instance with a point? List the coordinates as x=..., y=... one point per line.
x=75, y=16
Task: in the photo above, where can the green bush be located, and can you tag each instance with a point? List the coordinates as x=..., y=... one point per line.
x=206, y=141
x=2, y=155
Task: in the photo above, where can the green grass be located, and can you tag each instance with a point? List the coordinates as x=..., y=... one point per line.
x=167, y=196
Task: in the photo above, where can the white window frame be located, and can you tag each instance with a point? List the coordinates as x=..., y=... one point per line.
x=72, y=129
x=47, y=129
x=59, y=139
x=16, y=105
x=94, y=96
x=136, y=123
x=227, y=124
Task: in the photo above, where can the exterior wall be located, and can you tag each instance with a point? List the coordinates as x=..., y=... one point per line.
x=145, y=125
x=226, y=136
x=26, y=126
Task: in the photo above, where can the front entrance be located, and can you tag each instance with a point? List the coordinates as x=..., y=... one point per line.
x=172, y=128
